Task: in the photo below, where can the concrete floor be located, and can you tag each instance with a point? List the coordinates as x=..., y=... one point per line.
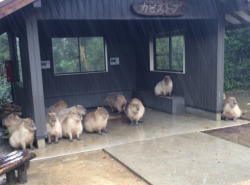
x=166, y=149
x=156, y=125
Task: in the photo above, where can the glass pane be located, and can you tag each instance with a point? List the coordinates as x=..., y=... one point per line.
x=162, y=45
x=19, y=61
x=65, y=55
x=162, y=53
x=177, y=53
x=92, y=54
x=162, y=62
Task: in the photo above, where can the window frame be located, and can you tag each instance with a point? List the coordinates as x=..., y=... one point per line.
x=153, y=54
x=79, y=61
x=19, y=81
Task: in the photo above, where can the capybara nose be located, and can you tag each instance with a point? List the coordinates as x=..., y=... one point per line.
x=53, y=119
x=235, y=102
x=137, y=108
x=80, y=116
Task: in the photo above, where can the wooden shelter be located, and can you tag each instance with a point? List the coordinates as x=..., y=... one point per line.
x=82, y=50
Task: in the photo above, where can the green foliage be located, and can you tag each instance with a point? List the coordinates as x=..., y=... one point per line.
x=237, y=60
x=5, y=87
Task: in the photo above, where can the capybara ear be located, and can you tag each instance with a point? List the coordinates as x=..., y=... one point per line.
x=98, y=108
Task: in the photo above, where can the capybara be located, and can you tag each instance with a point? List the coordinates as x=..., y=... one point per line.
x=231, y=109
x=58, y=106
x=62, y=114
x=164, y=87
x=24, y=136
x=72, y=125
x=135, y=111
x=96, y=121
x=54, y=128
x=12, y=122
x=117, y=102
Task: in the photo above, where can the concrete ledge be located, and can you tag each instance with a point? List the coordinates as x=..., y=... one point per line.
x=170, y=104
x=203, y=113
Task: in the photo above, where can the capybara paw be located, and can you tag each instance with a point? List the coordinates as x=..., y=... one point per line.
x=106, y=131
x=137, y=124
x=71, y=140
x=56, y=142
x=226, y=119
x=32, y=148
x=100, y=133
x=79, y=138
x=140, y=121
x=235, y=119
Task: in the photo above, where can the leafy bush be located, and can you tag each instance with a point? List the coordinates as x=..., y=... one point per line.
x=5, y=87
x=237, y=60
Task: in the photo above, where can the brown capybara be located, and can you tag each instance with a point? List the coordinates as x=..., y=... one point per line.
x=24, y=136
x=72, y=125
x=135, y=111
x=164, y=87
x=54, y=128
x=231, y=109
x=96, y=121
x=62, y=114
x=12, y=122
x=58, y=106
x=117, y=102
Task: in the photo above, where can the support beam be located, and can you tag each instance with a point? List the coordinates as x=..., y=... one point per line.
x=36, y=77
x=220, y=63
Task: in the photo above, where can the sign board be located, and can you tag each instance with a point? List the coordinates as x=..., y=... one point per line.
x=161, y=7
x=114, y=61
x=45, y=64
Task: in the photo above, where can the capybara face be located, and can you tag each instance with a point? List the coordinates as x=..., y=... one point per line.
x=51, y=119
x=103, y=112
x=29, y=124
x=135, y=107
x=232, y=101
x=106, y=100
x=81, y=109
x=75, y=115
x=9, y=119
x=167, y=79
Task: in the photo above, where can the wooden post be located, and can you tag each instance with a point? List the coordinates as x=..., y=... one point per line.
x=36, y=76
x=22, y=172
x=11, y=177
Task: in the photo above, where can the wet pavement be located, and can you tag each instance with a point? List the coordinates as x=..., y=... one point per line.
x=164, y=149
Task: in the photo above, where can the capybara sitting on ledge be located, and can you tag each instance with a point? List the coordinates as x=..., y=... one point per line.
x=164, y=87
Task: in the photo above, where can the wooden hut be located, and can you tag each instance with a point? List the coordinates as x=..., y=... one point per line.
x=82, y=50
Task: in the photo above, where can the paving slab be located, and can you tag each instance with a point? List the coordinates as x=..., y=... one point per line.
x=194, y=158
x=156, y=125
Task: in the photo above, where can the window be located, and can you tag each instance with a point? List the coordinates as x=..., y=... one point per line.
x=79, y=55
x=167, y=52
x=20, y=71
